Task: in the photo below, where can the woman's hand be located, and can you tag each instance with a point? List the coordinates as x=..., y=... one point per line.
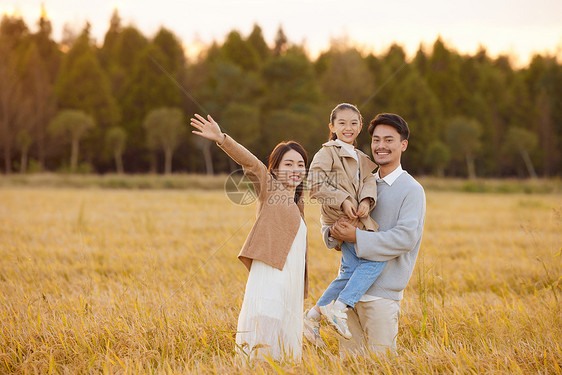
x=208, y=128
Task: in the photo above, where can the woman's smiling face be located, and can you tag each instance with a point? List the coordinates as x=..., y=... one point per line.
x=291, y=170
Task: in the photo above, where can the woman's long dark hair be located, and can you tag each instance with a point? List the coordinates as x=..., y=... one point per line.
x=277, y=155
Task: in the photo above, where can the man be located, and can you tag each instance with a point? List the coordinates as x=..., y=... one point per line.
x=400, y=213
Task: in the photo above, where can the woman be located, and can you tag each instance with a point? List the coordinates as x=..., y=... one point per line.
x=270, y=322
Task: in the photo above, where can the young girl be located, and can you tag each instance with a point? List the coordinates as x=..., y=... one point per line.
x=340, y=177
x=270, y=322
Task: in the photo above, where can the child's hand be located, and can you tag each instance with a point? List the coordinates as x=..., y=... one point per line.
x=208, y=128
x=348, y=209
x=363, y=209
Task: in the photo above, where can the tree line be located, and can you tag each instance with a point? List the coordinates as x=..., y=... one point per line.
x=124, y=106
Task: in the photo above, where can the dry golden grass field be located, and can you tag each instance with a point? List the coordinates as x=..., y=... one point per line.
x=147, y=281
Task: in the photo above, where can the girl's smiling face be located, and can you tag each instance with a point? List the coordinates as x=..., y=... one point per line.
x=346, y=125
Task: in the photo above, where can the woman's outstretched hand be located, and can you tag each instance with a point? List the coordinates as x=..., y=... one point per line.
x=208, y=128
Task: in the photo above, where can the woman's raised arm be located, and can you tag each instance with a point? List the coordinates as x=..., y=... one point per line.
x=253, y=167
x=208, y=128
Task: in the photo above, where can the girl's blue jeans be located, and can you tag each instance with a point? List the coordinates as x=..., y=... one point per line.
x=355, y=277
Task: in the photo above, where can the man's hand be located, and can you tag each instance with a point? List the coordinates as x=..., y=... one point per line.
x=344, y=230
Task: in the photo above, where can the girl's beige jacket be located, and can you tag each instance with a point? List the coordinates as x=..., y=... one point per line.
x=332, y=178
x=278, y=216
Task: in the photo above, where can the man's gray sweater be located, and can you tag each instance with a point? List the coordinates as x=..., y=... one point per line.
x=400, y=213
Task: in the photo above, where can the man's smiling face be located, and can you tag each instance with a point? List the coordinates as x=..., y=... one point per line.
x=387, y=147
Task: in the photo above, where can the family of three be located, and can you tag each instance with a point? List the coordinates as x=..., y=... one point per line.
x=375, y=220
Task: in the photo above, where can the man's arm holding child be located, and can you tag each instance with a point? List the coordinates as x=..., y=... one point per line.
x=387, y=244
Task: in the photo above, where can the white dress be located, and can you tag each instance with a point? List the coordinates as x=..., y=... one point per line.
x=271, y=321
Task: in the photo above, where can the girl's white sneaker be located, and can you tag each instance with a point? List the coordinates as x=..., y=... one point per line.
x=312, y=331
x=337, y=319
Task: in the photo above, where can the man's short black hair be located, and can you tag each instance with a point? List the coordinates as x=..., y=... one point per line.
x=393, y=120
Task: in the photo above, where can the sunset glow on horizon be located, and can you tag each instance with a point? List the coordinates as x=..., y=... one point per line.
x=517, y=28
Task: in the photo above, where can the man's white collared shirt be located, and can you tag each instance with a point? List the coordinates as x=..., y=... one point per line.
x=392, y=176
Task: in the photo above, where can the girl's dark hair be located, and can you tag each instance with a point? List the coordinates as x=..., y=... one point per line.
x=393, y=120
x=334, y=113
x=277, y=155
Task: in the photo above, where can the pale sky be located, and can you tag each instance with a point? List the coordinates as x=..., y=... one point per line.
x=517, y=27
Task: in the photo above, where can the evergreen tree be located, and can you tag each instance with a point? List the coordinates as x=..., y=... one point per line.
x=388, y=71
x=153, y=83
x=240, y=52
x=412, y=98
x=258, y=44
x=49, y=51
x=111, y=39
x=291, y=94
x=544, y=82
x=82, y=84
x=289, y=80
x=172, y=54
x=487, y=104
x=228, y=83
x=43, y=64
x=444, y=79
x=280, y=43
x=37, y=91
x=14, y=105
x=346, y=76
x=421, y=62
x=123, y=55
